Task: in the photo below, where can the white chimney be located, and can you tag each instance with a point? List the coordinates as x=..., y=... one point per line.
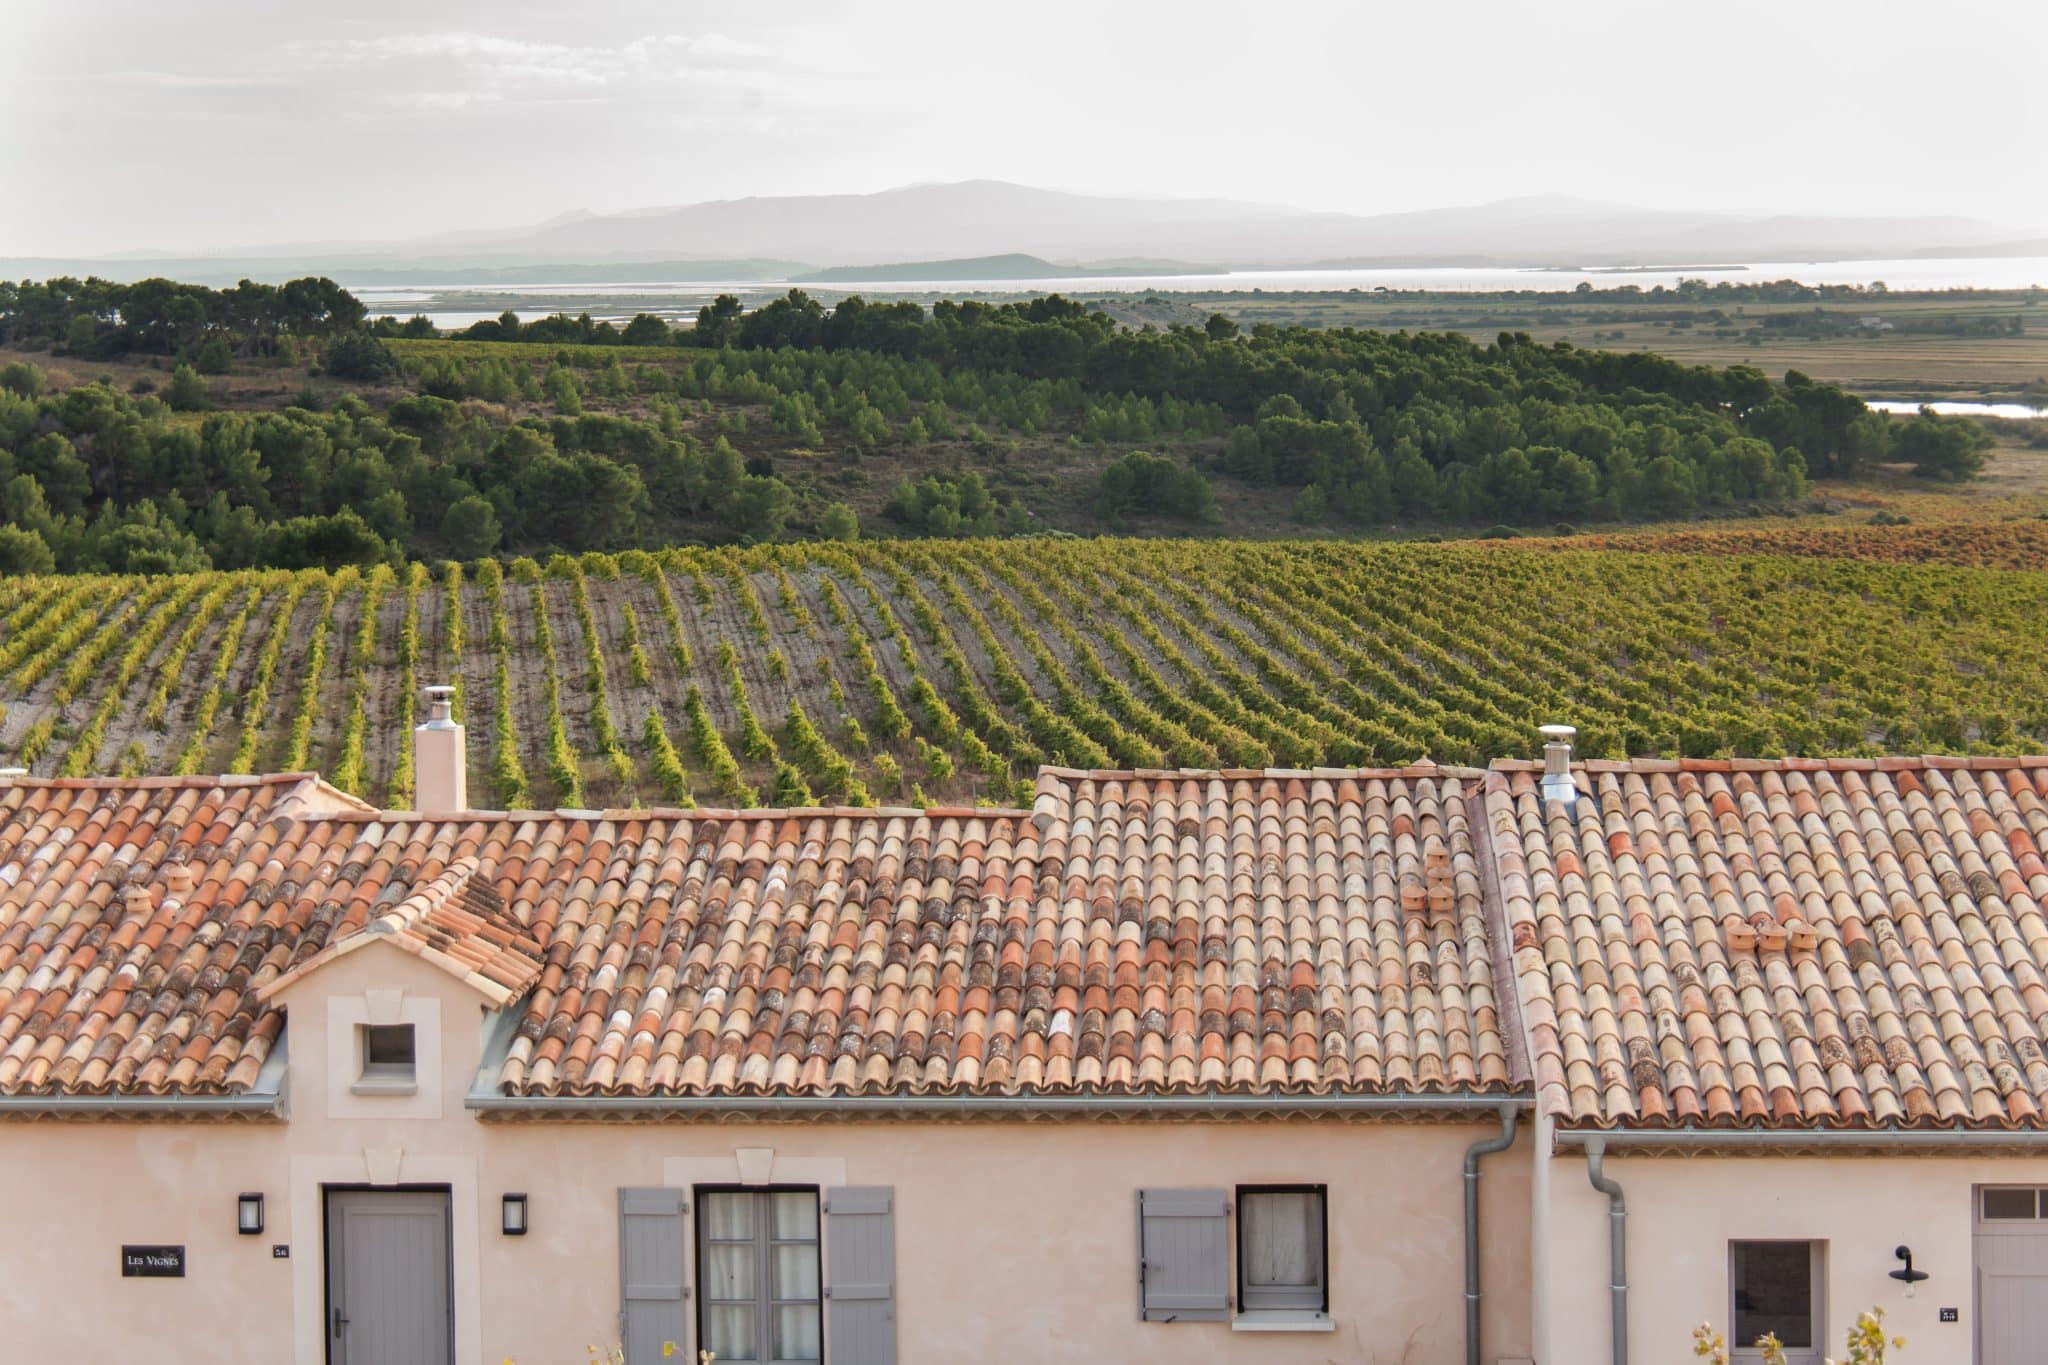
x=440, y=758
x=1557, y=765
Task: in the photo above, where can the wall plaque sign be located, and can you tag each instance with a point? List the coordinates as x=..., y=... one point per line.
x=153, y=1263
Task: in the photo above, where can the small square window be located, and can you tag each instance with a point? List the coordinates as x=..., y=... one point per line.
x=2009, y=1205
x=1777, y=1292
x=389, y=1059
x=1282, y=1249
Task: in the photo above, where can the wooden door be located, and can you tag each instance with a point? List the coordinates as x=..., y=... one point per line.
x=388, y=1273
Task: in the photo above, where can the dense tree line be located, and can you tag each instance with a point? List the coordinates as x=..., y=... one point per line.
x=100, y=318
x=1379, y=425
x=91, y=479
x=1359, y=427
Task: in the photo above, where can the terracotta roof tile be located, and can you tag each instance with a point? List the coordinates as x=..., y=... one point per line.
x=453, y=921
x=1803, y=943
x=1312, y=932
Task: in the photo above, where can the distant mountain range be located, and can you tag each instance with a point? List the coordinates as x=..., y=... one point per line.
x=966, y=230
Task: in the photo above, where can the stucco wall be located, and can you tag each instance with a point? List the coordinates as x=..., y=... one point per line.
x=1014, y=1241
x=1683, y=1212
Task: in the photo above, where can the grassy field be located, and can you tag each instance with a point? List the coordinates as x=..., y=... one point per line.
x=1832, y=344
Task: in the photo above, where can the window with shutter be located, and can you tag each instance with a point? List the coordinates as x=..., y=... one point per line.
x=757, y=1274
x=654, y=1245
x=860, y=1263
x=1183, y=1255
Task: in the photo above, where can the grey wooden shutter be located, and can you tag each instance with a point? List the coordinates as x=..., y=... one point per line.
x=860, y=1275
x=1183, y=1255
x=654, y=1258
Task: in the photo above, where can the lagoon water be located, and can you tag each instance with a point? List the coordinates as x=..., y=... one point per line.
x=2017, y=411
x=458, y=305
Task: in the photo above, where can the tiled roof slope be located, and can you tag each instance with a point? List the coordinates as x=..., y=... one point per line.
x=1802, y=943
x=455, y=922
x=116, y=973
x=1239, y=932
x=1158, y=932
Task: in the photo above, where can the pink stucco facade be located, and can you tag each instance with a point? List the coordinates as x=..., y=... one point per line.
x=1014, y=1240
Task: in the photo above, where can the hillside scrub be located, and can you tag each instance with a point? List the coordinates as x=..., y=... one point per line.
x=584, y=443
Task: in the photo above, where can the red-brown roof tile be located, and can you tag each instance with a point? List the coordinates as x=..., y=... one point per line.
x=1799, y=944
x=1317, y=932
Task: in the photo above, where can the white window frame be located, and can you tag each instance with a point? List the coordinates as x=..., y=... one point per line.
x=386, y=1078
x=1986, y=1223
x=1816, y=1269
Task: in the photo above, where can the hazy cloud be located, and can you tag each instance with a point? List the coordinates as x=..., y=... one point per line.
x=226, y=122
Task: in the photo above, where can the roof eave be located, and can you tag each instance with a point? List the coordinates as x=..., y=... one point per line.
x=1733, y=1141
x=492, y=1104
x=267, y=1099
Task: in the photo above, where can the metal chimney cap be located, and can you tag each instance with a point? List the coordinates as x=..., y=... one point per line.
x=440, y=707
x=1564, y=734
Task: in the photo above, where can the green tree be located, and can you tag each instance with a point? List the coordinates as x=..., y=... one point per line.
x=470, y=526
x=839, y=523
x=645, y=330
x=1220, y=328
x=759, y=508
x=187, y=391
x=1667, y=489
x=215, y=357
x=324, y=542
x=20, y=377
x=1950, y=449
x=563, y=390
x=359, y=357
x=718, y=321
x=23, y=551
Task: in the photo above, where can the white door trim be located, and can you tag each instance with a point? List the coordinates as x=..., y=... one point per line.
x=309, y=1178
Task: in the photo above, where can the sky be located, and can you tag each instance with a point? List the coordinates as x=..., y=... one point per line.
x=179, y=125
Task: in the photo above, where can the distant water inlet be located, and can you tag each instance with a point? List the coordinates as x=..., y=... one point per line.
x=2017, y=411
x=455, y=305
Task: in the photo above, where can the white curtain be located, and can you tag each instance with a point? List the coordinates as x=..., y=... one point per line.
x=1281, y=1240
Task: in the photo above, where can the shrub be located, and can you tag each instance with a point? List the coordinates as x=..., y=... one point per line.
x=360, y=357
x=187, y=391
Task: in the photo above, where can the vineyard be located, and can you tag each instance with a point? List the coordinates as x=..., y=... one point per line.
x=935, y=672
x=1985, y=544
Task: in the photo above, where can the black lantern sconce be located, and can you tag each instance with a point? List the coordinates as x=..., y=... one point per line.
x=1909, y=1275
x=514, y=1220
x=249, y=1214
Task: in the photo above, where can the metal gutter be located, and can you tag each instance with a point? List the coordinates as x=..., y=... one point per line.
x=1617, y=1244
x=266, y=1099
x=1484, y=1147
x=1833, y=1139
x=248, y=1104
x=990, y=1106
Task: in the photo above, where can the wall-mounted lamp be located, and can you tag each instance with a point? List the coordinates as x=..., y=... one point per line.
x=1909, y=1275
x=248, y=1214
x=514, y=1222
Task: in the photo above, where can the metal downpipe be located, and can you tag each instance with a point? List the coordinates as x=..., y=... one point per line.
x=1617, y=1242
x=1484, y=1147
